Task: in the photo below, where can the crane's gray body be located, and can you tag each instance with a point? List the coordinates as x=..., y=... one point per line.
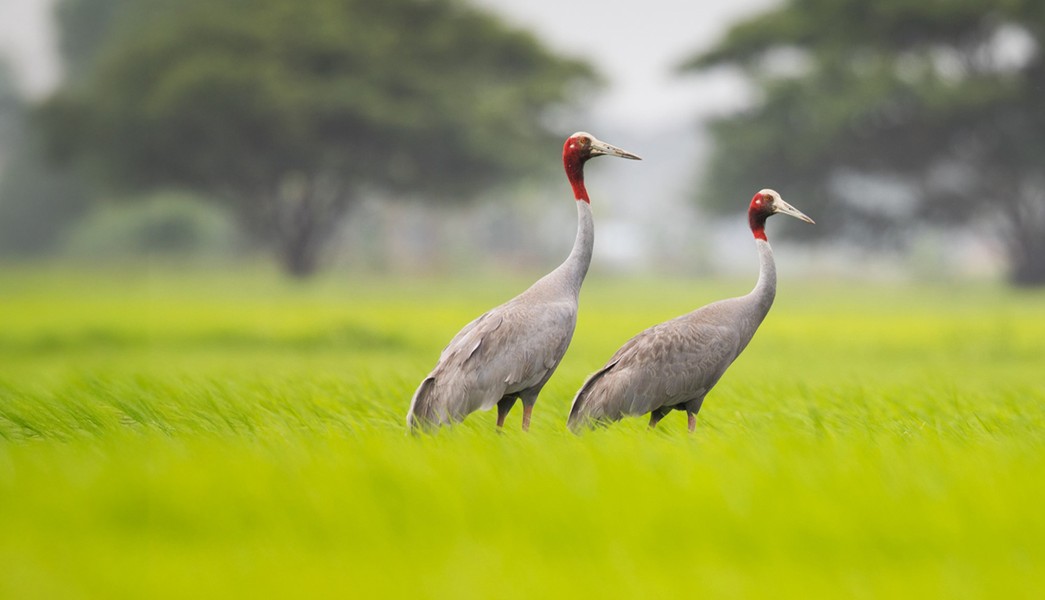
x=674, y=364
x=512, y=350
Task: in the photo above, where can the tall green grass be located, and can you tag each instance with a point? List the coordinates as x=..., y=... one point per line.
x=187, y=433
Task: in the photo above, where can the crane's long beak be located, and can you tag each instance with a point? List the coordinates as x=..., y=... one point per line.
x=787, y=209
x=598, y=148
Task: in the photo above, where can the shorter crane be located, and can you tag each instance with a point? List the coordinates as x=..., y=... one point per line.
x=673, y=365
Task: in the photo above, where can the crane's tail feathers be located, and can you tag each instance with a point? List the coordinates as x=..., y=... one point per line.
x=578, y=424
x=422, y=415
x=580, y=413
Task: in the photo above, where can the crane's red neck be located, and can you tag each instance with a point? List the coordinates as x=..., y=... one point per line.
x=574, y=155
x=760, y=209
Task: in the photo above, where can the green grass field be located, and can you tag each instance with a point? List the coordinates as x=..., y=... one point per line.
x=188, y=433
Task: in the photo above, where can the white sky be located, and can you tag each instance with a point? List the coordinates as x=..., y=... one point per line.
x=637, y=45
x=27, y=42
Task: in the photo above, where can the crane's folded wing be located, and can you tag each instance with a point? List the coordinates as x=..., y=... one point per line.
x=663, y=366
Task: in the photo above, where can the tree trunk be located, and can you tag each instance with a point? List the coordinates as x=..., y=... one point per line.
x=1028, y=262
x=1028, y=273
x=1026, y=239
x=308, y=212
x=300, y=252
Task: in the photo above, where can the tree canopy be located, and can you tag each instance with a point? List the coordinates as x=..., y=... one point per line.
x=289, y=110
x=881, y=114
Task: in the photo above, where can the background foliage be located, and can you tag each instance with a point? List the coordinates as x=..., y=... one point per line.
x=881, y=115
x=287, y=112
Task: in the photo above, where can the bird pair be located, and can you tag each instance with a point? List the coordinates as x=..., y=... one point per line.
x=511, y=351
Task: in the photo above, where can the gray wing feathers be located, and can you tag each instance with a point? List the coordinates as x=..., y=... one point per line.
x=430, y=402
x=472, y=334
x=666, y=365
x=506, y=351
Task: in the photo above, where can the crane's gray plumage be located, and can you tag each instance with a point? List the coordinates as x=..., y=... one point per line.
x=511, y=351
x=673, y=365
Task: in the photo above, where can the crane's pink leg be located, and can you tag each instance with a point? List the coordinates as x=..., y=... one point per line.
x=527, y=409
x=692, y=408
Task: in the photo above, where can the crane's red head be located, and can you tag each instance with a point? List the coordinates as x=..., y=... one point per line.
x=766, y=203
x=578, y=148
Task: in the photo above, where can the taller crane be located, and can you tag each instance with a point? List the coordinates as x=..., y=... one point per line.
x=511, y=351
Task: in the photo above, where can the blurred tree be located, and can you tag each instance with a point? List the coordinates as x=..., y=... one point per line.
x=168, y=224
x=875, y=114
x=85, y=27
x=289, y=110
x=12, y=111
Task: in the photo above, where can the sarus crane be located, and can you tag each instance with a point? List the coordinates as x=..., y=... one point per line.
x=510, y=352
x=673, y=365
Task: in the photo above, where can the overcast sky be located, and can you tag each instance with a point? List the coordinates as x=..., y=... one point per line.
x=637, y=46
x=27, y=42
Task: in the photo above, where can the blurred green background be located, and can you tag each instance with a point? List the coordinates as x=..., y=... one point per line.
x=235, y=235
x=423, y=136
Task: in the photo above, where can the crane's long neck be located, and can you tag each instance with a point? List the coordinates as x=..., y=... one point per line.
x=575, y=267
x=572, y=271
x=765, y=289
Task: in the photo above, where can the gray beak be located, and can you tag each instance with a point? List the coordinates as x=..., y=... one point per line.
x=783, y=207
x=598, y=148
